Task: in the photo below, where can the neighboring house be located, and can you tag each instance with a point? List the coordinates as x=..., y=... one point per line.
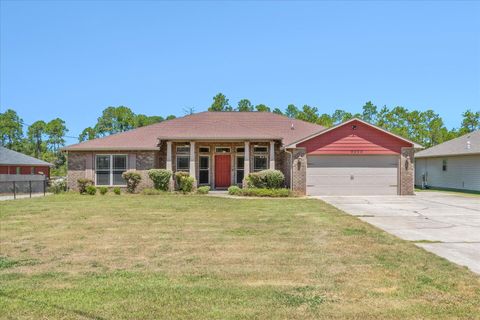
x=12, y=162
x=454, y=164
x=220, y=148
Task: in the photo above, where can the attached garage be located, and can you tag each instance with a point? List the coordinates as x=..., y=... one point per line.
x=355, y=158
x=352, y=174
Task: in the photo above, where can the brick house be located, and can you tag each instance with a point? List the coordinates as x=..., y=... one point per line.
x=220, y=148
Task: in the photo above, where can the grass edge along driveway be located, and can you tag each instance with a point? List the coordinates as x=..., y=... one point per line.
x=177, y=257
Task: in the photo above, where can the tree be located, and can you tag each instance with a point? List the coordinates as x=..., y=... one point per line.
x=220, y=103
x=11, y=130
x=35, y=134
x=142, y=120
x=470, y=121
x=309, y=114
x=341, y=116
x=87, y=134
x=262, y=108
x=189, y=110
x=170, y=117
x=114, y=120
x=277, y=111
x=291, y=111
x=56, y=130
x=369, y=113
x=325, y=120
x=244, y=105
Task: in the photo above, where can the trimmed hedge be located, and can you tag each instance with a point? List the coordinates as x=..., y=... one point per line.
x=203, y=190
x=117, y=191
x=83, y=184
x=91, y=190
x=185, y=183
x=269, y=179
x=103, y=190
x=160, y=178
x=133, y=179
x=259, y=192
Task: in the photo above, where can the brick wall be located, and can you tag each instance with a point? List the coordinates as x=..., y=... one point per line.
x=407, y=171
x=82, y=165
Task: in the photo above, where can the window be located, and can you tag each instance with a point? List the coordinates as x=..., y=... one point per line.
x=32, y=170
x=17, y=170
x=204, y=167
x=444, y=165
x=260, y=149
x=109, y=169
x=260, y=162
x=183, y=163
x=240, y=149
x=222, y=149
x=183, y=149
x=240, y=169
x=204, y=149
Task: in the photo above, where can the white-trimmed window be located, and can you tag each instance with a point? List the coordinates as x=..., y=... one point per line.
x=203, y=149
x=222, y=149
x=204, y=169
x=260, y=158
x=239, y=169
x=183, y=158
x=444, y=164
x=109, y=169
x=240, y=149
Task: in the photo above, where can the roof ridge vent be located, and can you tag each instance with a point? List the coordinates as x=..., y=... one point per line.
x=292, y=126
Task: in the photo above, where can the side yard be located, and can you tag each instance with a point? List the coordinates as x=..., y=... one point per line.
x=176, y=257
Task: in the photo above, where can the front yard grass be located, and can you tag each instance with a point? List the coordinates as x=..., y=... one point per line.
x=199, y=257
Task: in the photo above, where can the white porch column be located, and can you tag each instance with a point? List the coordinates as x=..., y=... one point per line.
x=169, y=156
x=246, y=157
x=192, y=160
x=272, y=155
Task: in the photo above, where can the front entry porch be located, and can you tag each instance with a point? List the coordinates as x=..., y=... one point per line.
x=220, y=164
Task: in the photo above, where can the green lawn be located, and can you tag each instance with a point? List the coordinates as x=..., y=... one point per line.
x=201, y=257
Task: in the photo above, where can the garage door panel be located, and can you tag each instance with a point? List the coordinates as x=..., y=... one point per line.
x=352, y=175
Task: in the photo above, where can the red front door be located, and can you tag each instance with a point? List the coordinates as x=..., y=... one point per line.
x=222, y=170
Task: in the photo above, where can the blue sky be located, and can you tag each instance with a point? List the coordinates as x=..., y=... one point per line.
x=72, y=59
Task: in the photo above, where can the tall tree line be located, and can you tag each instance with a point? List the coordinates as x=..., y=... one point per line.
x=424, y=127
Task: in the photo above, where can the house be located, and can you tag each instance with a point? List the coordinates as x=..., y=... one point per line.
x=220, y=148
x=454, y=164
x=12, y=162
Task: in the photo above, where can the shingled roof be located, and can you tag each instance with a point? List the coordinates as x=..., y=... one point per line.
x=206, y=126
x=10, y=157
x=464, y=145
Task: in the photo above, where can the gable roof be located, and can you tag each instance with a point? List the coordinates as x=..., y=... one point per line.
x=464, y=145
x=10, y=157
x=205, y=126
x=316, y=134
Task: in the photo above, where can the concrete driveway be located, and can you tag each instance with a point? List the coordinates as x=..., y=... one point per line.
x=452, y=221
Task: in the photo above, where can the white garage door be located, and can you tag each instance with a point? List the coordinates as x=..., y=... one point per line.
x=352, y=175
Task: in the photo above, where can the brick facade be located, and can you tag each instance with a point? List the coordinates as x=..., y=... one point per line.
x=81, y=164
x=299, y=171
x=406, y=172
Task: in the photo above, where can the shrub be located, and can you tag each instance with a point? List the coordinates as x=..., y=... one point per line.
x=185, y=183
x=263, y=192
x=91, y=190
x=234, y=191
x=270, y=179
x=160, y=178
x=103, y=190
x=132, y=178
x=203, y=189
x=117, y=191
x=151, y=192
x=58, y=186
x=83, y=184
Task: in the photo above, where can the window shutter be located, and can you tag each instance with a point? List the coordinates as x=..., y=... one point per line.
x=132, y=161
